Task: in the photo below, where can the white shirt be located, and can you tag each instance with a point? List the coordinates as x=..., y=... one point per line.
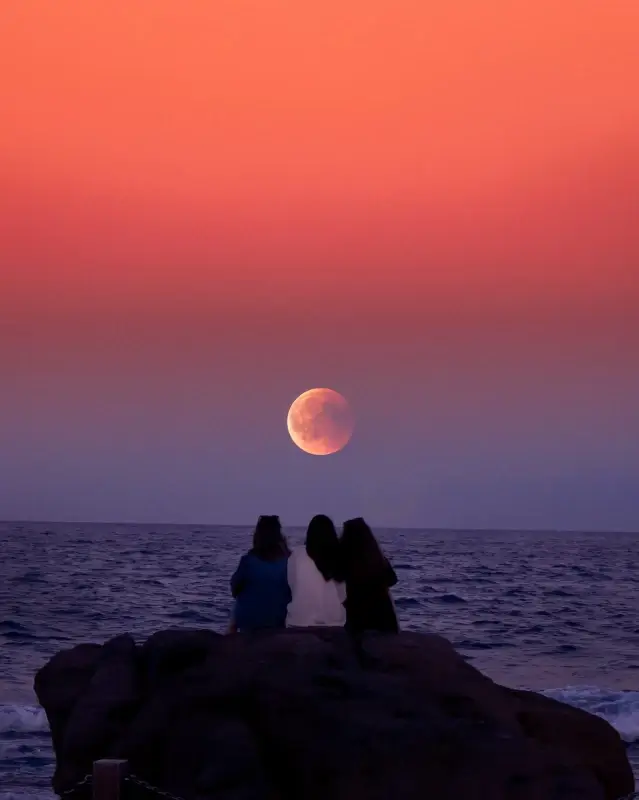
x=315, y=602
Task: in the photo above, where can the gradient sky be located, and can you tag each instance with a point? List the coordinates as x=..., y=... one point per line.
x=207, y=208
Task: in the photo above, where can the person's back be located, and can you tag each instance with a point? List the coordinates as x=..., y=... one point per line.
x=262, y=593
x=369, y=606
x=369, y=577
x=317, y=591
x=315, y=600
x=260, y=584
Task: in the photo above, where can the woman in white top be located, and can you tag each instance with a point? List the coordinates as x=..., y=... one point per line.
x=314, y=576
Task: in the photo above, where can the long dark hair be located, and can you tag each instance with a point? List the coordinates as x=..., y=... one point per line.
x=269, y=543
x=362, y=557
x=322, y=545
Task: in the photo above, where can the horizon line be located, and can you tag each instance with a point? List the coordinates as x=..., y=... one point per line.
x=427, y=529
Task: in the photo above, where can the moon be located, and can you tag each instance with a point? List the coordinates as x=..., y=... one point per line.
x=320, y=422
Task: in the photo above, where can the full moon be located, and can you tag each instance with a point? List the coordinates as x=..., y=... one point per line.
x=320, y=422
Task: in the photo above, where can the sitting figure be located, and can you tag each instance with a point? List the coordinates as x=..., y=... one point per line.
x=315, y=579
x=259, y=583
x=369, y=577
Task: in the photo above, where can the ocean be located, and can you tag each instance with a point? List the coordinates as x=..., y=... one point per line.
x=550, y=611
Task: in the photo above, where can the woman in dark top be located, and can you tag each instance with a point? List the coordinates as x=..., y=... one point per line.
x=369, y=576
x=259, y=584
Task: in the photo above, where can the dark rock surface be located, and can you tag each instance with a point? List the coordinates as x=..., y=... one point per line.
x=314, y=714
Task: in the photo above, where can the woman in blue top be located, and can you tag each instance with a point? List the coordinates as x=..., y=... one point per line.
x=259, y=584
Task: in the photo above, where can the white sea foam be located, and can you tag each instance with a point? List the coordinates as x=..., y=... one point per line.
x=22, y=719
x=620, y=709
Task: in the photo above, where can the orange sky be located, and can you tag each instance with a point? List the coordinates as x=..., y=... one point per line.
x=398, y=146
x=208, y=206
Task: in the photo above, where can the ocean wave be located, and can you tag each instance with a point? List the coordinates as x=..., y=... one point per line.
x=450, y=598
x=620, y=709
x=406, y=602
x=22, y=719
x=12, y=630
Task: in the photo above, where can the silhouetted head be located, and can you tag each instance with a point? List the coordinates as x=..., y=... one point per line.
x=268, y=540
x=322, y=545
x=362, y=558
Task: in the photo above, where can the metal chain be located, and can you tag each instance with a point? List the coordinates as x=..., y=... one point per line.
x=83, y=782
x=150, y=788
x=161, y=793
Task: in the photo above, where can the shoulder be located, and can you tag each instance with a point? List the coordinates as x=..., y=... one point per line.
x=299, y=559
x=248, y=559
x=391, y=575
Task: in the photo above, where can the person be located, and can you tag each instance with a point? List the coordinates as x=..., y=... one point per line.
x=315, y=579
x=369, y=577
x=259, y=584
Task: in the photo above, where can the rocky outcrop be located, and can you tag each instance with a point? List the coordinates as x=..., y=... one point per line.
x=314, y=714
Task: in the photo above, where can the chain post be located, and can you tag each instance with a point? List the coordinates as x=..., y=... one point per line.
x=108, y=777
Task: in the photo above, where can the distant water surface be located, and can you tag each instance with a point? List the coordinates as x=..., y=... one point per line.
x=556, y=612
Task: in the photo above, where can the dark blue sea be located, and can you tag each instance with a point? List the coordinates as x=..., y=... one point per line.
x=556, y=612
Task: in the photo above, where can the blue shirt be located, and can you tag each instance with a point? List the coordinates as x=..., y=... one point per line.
x=262, y=592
